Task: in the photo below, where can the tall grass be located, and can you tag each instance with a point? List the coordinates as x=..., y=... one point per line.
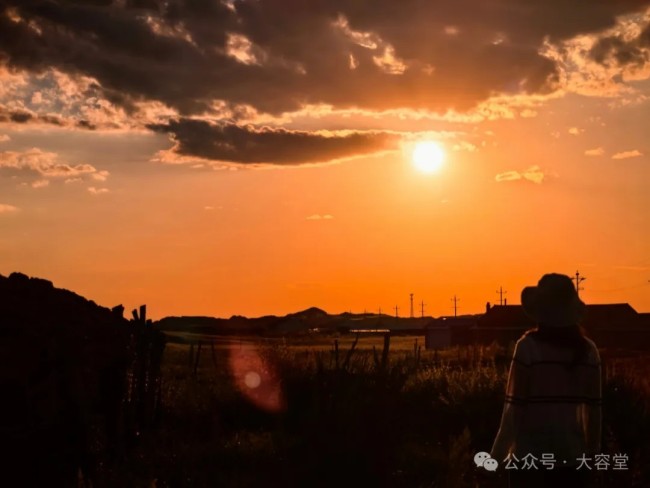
x=414, y=421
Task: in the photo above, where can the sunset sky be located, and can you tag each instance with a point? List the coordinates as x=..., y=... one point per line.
x=254, y=157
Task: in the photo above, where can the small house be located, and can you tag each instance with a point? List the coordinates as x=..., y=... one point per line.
x=450, y=331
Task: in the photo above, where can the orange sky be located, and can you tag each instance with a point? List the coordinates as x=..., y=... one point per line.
x=534, y=183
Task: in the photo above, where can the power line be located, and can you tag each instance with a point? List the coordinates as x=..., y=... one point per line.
x=455, y=300
x=501, y=292
x=578, y=279
x=620, y=288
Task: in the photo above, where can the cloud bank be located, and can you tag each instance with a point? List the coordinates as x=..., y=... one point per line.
x=179, y=66
x=248, y=144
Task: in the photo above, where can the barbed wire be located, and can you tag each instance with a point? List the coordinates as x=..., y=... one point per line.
x=640, y=285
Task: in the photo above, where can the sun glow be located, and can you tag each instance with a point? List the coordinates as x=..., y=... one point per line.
x=428, y=156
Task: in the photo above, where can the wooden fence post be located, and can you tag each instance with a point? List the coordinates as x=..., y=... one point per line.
x=197, y=359
x=336, y=353
x=214, y=356
x=146, y=383
x=384, y=353
x=190, y=359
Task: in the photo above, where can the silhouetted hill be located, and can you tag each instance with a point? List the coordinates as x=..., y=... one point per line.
x=311, y=312
x=219, y=326
x=38, y=319
x=64, y=362
x=311, y=319
x=35, y=303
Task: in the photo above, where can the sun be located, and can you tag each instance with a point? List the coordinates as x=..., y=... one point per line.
x=428, y=156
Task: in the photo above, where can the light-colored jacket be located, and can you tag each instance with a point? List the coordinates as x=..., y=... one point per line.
x=549, y=407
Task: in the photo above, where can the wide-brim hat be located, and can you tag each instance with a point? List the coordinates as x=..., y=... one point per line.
x=553, y=302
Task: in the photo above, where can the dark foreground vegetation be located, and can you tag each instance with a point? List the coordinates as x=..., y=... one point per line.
x=318, y=418
x=83, y=387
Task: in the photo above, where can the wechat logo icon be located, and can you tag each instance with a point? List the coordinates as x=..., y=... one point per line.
x=484, y=460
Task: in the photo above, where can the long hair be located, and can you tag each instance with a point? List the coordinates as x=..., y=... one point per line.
x=570, y=337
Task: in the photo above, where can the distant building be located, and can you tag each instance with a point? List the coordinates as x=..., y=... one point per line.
x=644, y=319
x=615, y=325
x=605, y=316
x=449, y=331
x=502, y=323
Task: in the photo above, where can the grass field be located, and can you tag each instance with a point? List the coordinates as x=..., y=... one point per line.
x=296, y=413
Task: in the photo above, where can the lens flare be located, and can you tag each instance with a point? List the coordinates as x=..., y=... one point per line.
x=255, y=377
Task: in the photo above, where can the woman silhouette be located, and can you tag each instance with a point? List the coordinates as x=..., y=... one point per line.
x=551, y=423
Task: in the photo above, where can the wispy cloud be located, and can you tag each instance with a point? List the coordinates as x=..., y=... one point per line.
x=464, y=146
x=602, y=62
x=97, y=191
x=45, y=163
x=40, y=183
x=100, y=175
x=508, y=176
x=533, y=174
x=599, y=151
x=627, y=154
x=389, y=63
x=4, y=138
x=320, y=217
x=528, y=113
x=6, y=208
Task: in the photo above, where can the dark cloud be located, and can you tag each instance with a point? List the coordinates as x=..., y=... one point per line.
x=615, y=50
x=455, y=54
x=280, y=55
x=22, y=116
x=84, y=124
x=247, y=144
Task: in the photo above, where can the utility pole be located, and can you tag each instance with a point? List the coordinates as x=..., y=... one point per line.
x=455, y=300
x=396, y=311
x=412, y=305
x=501, y=292
x=422, y=307
x=379, y=310
x=578, y=279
